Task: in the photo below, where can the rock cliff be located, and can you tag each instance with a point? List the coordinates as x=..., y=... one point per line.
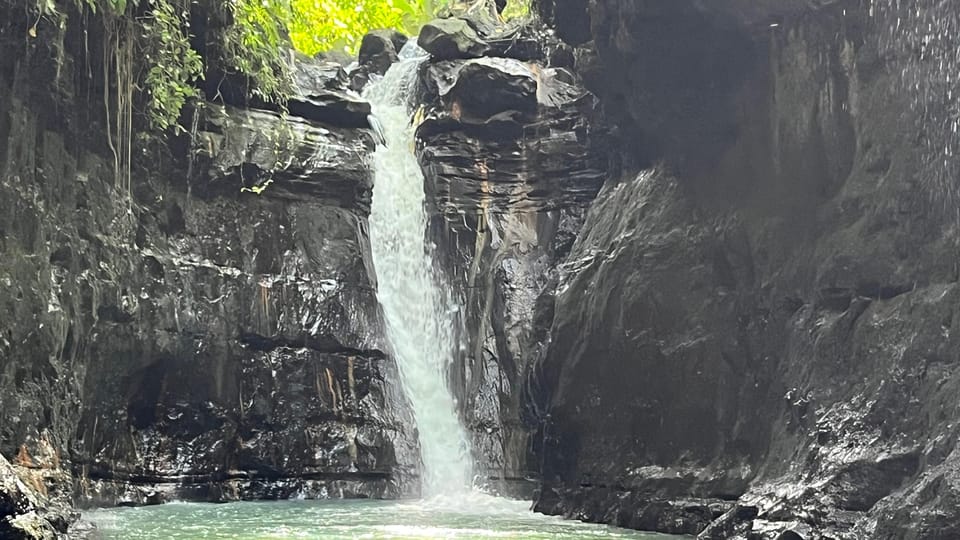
x=753, y=335
x=513, y=151
x=211, y=334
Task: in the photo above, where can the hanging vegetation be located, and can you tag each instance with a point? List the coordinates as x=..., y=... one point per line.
x=149, y=66
x=173, y=66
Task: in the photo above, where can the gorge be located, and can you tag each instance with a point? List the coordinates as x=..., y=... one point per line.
x=682, y=267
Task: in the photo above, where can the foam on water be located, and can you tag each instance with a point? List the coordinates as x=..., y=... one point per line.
x=476, y=516
x=418, y=311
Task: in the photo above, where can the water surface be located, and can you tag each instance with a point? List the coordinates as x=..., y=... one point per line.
x=470, y=516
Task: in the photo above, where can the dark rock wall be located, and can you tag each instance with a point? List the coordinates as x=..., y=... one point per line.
x=189, y=339
x=760, y=326
x=513, y=152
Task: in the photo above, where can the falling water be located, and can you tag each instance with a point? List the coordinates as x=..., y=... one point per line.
x=922, y=35
x=418, y=313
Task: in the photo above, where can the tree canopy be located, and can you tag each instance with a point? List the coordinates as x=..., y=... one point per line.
x=323, y=25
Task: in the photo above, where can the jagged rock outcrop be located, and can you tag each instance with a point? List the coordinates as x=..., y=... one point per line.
x=292, y=158
x=213, y=334
x=449, y=39
x=378, y=50
x=512, y=152
x=29, y=510
x=755, y=338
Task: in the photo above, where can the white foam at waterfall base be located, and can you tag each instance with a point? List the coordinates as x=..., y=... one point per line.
x=418, y=311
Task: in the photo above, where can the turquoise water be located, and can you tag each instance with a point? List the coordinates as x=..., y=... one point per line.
x=470, y=516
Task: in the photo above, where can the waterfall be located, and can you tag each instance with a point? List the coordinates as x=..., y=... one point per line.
x=418, y=310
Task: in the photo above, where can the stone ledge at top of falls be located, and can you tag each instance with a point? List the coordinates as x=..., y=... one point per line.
x=478, y=31
x=288, y=158
x=318, y=151
x=447, y=39
x=321, y=93
x=499, y=133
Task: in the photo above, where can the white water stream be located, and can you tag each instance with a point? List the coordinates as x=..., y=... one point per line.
x=419, y=313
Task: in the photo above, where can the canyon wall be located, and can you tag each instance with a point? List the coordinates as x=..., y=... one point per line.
x=212, y=331
x=754, y=333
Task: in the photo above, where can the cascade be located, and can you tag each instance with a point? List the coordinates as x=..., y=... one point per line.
x=419, y=311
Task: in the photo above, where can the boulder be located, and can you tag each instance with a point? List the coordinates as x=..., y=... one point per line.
x=321, y=93
x=331, y=107
x=312, y=75
x=20, y=507
x=482, y=15
x=448, y=39
x=379, y=50
x=487, y=86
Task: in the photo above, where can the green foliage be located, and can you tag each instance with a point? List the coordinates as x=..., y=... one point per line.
x=315, y=26
x=253, y=45
x=262, y=28
x=162, y=38
x=323, y=25
x=174, y=67
x=517, y=9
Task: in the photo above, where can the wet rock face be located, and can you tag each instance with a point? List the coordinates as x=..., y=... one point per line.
x=28, y=511
x=217, y=336
x=293, y=158
x=296, y=397
x=379, y=49
x=448, y=39
x=753, y=340
x=512, y=152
